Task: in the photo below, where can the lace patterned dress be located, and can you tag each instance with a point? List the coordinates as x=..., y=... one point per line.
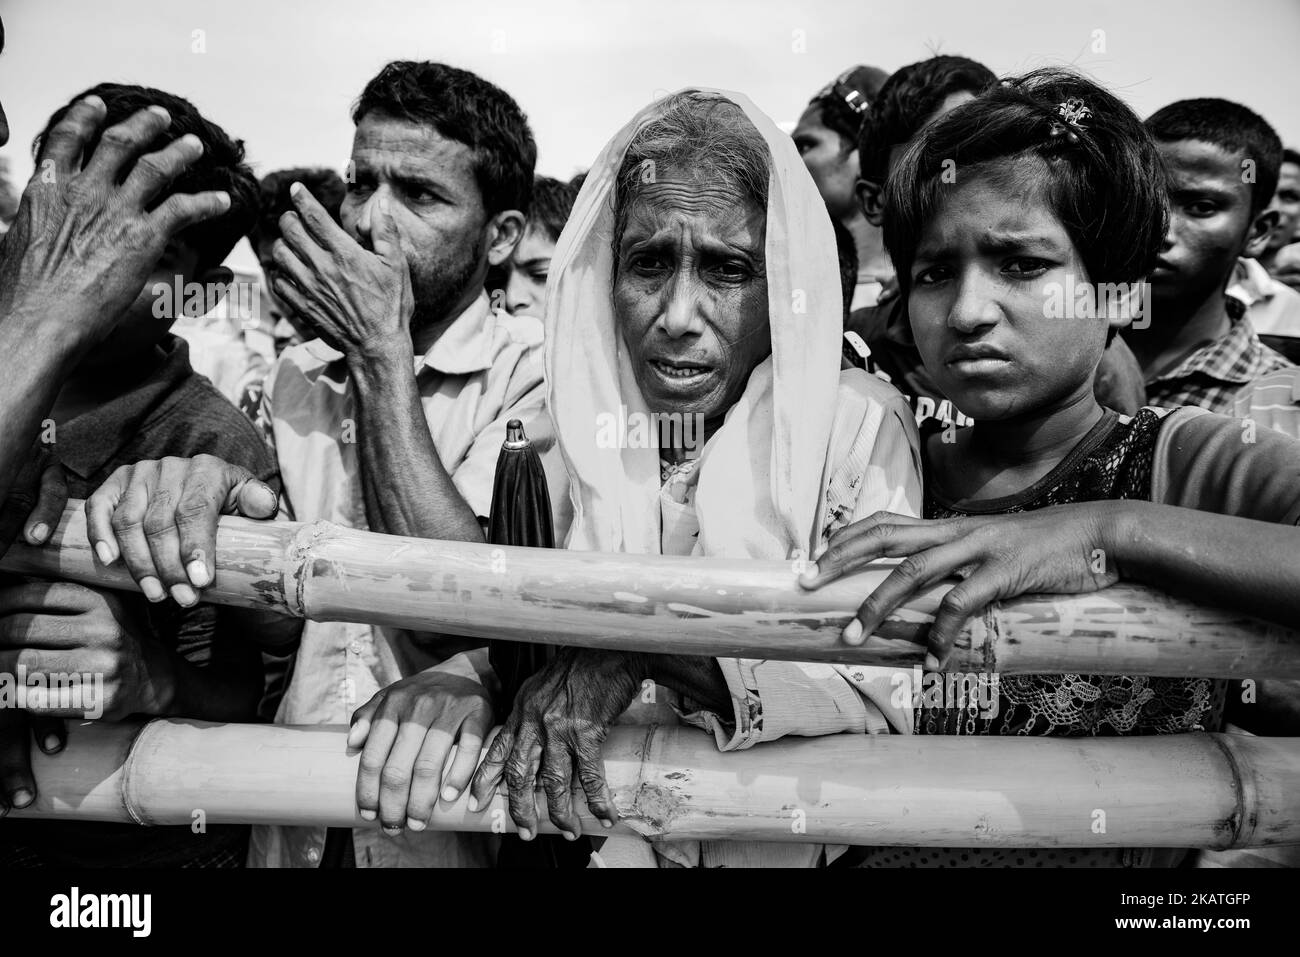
x=1113, y=462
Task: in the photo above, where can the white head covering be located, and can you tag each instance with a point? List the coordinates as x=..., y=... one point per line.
x=761, y=474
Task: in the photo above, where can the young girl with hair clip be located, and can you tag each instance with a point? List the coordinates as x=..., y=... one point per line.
x=1022, y=225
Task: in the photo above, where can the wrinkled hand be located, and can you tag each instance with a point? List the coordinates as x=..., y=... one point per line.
x=556, y=731
x=85, y=240
x=408, y=730
x=59, y=628
x=160, y=516
x=36, y=499
x=1064, y=549
x=359, y=302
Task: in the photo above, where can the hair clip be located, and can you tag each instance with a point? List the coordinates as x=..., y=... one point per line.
x=1072, y=113
x=840, y=90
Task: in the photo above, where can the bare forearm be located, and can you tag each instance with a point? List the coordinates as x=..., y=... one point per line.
x=407, y=490
x=1236, y=563
x=38, y=356
x=698, y=678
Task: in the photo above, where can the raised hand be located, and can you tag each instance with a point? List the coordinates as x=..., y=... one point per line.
x=85, y=239
x=359, y=302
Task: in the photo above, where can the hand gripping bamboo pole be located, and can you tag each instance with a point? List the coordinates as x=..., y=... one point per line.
x=1188, y=790
x=694, y=606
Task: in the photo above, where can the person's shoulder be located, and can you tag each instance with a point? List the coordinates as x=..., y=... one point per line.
x=870, y=322
x=309, y=358
x=525, y=331
x=859, y=385
x=197, y=419
x=298, y=369
x=868, y=405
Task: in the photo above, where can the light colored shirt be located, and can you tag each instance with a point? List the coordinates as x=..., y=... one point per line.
x=484, y=370
x=1273, y=307
x=1272, y=401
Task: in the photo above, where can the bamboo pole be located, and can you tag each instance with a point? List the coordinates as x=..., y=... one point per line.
x=692, y=606
x=671, y=783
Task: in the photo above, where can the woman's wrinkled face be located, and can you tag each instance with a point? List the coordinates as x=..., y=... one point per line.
x=690, y=293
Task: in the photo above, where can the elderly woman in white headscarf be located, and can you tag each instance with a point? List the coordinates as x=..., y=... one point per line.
x=697, y=278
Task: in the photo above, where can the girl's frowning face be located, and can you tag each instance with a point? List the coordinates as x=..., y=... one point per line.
x=995, y=301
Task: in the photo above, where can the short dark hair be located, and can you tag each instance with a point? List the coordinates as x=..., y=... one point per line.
x=464, y=107
x=552, y=203
x=847, y=253
x=860, y=84
x=325, y=186
x=1231, y=127
x=1290, y=155
x=1104, y=181
x=221, y=167
x=907, y=100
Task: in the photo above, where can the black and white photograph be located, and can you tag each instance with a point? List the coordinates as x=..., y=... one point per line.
x=528, y=435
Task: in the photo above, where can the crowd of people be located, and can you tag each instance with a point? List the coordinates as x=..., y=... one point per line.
x=990, y=328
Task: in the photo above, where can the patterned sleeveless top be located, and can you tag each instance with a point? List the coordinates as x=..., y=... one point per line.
x=1113, y=462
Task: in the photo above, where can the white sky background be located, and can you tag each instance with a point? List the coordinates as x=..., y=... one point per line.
x=282, y=74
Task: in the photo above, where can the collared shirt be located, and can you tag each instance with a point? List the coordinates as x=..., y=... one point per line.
x=1273, y=307
x=1211, y=376
x=173, y=411
x=485, y=369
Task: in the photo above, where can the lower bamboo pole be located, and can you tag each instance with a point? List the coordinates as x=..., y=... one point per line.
x=1191, y=790
x=692, y=606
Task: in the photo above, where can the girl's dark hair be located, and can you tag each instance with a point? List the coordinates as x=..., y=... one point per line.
x=1104, y=178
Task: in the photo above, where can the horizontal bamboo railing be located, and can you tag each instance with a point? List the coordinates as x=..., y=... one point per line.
x=1190, y=790
x=693, y=606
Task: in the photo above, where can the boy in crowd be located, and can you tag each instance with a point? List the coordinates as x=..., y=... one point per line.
x=1266, y=284
x=328, y=189
x=827, y=138
x=285, y=327
x=134, y=396
x=1287, y=203
x=1200, y=347
x=520, y=285
x=880, y=336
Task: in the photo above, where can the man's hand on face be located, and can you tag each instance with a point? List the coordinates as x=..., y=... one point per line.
x=359, y=302
x=86, y=239
x=160, y=517
x=555, y=732
x=60, y=628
